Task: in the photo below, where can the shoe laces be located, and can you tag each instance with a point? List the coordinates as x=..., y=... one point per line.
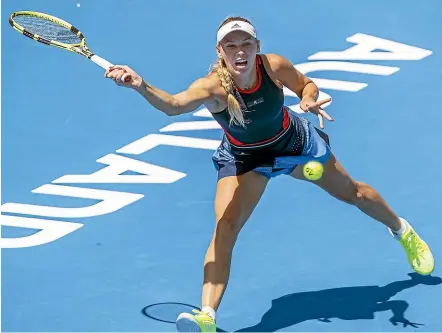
x=202, y=315
x=414, y=246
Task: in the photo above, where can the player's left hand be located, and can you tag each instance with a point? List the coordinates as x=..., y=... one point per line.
x=309, y=105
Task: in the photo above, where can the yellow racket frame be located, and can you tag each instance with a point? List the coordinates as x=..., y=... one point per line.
x=80, y=48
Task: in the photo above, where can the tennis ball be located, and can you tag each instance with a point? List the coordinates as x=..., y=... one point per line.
x=313, y=170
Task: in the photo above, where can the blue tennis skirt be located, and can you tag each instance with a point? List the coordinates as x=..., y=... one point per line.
x=302, y=143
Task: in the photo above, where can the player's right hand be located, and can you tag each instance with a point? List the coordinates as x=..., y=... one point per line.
x=124, y=76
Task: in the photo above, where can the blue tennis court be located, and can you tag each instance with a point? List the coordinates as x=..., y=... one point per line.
x=107, y=204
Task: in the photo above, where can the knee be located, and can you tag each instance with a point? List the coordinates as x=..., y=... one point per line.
x=227, y=229
x=355, y=193
x=360, y=194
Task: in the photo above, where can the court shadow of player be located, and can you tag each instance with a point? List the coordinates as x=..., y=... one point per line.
x=348, y=303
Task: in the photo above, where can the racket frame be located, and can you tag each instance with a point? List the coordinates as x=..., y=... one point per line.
x=80, y=48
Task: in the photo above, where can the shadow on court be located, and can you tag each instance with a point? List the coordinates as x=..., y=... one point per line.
x=348, y=303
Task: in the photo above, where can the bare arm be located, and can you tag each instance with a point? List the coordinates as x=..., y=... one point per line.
x=304, y=87
x=183, y=102
x=188, y=100
x=293, y=79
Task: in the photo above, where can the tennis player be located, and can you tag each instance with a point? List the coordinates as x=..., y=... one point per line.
x=262, y=140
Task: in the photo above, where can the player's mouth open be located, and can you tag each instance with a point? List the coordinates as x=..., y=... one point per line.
x=241, y=63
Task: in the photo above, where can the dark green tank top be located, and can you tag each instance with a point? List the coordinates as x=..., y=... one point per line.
x=265, y=115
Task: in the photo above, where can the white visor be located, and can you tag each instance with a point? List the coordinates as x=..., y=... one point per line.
x=235, y=26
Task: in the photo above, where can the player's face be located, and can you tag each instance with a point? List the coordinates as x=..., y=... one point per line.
x=238, y=50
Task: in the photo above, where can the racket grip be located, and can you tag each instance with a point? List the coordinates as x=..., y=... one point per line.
x=103, y=63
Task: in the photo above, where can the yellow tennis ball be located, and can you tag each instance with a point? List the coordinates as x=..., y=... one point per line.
x=313, y=170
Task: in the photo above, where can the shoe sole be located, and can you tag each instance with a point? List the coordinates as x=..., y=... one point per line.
x=186, y=323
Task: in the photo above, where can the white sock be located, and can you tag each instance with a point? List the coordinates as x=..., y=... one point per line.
x=403, y=228
x=209, y=311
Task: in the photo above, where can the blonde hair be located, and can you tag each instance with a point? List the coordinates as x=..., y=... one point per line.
x=235, y=103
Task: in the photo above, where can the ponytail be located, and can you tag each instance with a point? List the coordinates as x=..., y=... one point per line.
x=233, y=105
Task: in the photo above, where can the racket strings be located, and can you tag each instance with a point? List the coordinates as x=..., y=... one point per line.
x=47, y=29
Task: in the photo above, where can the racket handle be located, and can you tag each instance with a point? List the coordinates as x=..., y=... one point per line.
x=103, y=63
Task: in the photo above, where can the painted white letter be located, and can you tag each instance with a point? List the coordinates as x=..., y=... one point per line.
x=309, y=67
x=191, y=126
x=111, y=201
x=366, y=44
x=50, y=231
x=151, y=141
x=203, y=113
x=119, y=164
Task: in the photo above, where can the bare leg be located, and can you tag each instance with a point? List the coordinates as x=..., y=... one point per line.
x=236, y=198
x=338, y=183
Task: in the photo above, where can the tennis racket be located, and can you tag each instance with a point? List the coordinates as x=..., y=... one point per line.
x=53, y=31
